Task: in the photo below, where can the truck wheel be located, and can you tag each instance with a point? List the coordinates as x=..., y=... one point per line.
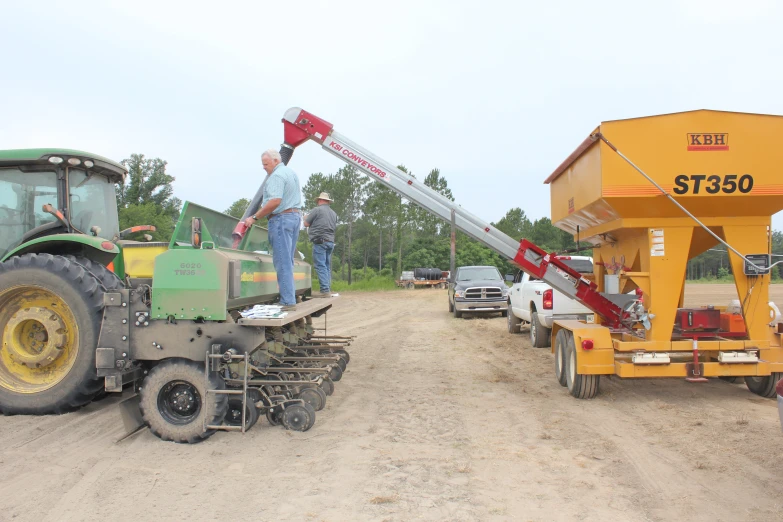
x=451, y=306
x=504, y=313
x=561, y=342
x=50, y=317
x=579, y=385
x=174, y=402
x=763, y=386
x=457, y=313
x=540, y=335
x=513, y=321
x=108, y=279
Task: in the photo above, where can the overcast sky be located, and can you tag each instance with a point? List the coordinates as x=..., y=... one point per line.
x=494, y=94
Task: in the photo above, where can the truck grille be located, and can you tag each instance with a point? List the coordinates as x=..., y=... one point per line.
x=491, y=292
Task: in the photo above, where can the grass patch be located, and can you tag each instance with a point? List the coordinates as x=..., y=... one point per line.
x=372, y=284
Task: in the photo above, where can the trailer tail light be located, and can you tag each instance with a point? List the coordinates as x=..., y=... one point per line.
x=587, y=344
x=548, y=300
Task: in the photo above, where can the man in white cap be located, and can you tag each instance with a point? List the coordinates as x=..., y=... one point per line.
x=321, y=224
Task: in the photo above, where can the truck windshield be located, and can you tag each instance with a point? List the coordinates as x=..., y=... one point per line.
x=478, y=273
x=93, y=203
x=583, y=266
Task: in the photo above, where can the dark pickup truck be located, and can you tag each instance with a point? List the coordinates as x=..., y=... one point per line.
x=478, y=289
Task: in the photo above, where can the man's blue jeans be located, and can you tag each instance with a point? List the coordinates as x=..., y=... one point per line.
x=283, y=233
x=322, y=259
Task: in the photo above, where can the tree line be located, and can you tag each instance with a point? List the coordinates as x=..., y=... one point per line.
x=379, y=232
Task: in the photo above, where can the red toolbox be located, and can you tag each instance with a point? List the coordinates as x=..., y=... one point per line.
x=697, y=320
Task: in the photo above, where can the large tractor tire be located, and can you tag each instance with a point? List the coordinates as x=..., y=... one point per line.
x=174, y=401
x=50, y=317
x=108, y=279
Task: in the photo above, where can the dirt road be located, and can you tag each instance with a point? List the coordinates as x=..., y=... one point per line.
x=436, y=419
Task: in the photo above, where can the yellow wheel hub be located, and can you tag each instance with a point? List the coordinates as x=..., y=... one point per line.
x=40, y=339
x=34, y=337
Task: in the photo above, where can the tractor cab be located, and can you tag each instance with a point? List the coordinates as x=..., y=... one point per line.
x=55, y=191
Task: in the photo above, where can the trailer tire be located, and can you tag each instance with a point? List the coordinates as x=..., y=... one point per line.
x=29, y=285
x=174, y=401
x=579, y=385
x=540, y=335
x=763, y=386
x=561, y=342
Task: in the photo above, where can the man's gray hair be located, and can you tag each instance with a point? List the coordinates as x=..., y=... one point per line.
x=272, y=154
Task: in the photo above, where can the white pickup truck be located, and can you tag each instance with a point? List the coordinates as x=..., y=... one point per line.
x=532, y=301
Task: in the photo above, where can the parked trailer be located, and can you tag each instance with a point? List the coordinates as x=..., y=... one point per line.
x=701, y=191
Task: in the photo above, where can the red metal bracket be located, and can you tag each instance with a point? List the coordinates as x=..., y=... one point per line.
x=586, y=291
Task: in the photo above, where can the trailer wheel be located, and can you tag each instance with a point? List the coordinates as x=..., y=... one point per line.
x=579, y=385
x=298, y=417
x=274, y=417
x=513, y=322
x=561, y=342
x=327, y=386
x=234, y=415
x=540, y=335
x=342, y=364
x=336, y=373
x=313, y=397
x=50, y=317
x=729, y=379
x=344, y=353
x=174, y=402
x=763, y=386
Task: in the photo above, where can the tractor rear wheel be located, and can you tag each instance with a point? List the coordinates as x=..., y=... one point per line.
x=50, y=317
x=174, y=401
x=108, y=279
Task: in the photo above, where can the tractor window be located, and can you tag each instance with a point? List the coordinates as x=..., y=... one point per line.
x=93, y=203
x=22, y=194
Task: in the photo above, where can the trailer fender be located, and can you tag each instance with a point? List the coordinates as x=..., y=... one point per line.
x=595, y=360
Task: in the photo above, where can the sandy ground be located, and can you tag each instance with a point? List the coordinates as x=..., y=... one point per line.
x=436, y=419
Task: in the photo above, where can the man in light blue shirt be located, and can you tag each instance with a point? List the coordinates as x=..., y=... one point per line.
x=282, y=201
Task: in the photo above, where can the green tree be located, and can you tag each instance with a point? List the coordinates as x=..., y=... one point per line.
x=515, y=224
x=237, y=208
x=147, y=197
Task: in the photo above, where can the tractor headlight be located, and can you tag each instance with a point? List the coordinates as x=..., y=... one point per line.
x=74, y=161
x=88, y=164
x=56, y=160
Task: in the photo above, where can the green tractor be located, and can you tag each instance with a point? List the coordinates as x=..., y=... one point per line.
x=187, y=324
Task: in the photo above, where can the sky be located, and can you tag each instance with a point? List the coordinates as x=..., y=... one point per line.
x=494, y=94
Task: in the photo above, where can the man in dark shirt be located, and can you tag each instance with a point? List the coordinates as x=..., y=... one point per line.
x=321, y=223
